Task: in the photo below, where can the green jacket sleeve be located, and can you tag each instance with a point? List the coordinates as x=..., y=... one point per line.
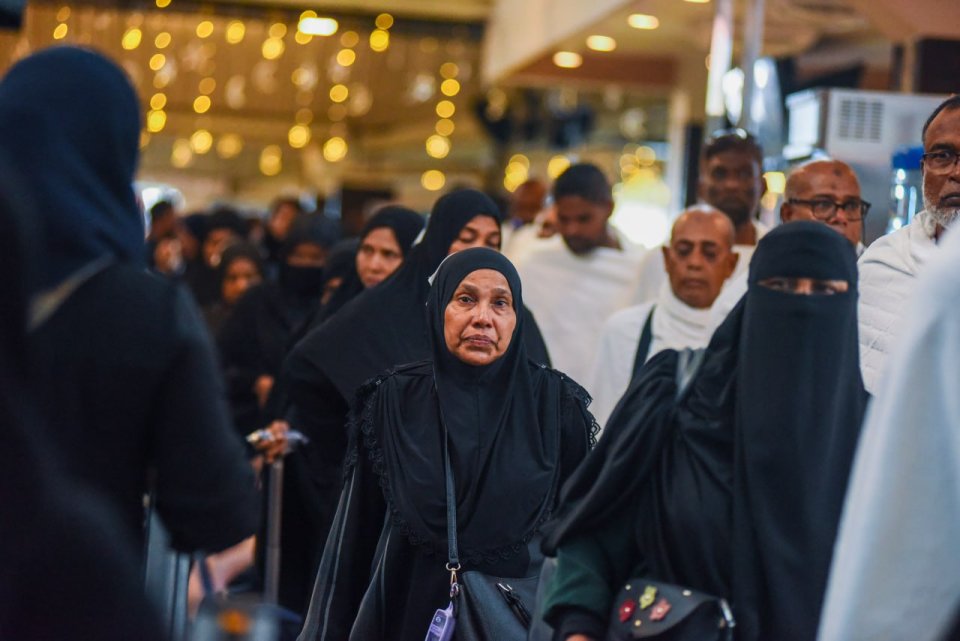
x=591, y=568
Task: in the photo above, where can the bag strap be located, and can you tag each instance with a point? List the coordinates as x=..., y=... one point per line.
x=453, y=555
x=643, y=347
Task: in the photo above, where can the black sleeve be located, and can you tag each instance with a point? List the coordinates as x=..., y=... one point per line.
x=204, y=487
x=238, y=347
x=345, y=568
x=579, y=427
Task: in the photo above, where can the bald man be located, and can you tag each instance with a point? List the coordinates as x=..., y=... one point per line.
x=698, y=260
x=826, y=191
x=520, y=230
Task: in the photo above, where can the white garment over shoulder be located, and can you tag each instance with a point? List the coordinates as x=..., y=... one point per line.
x=653, y=273
x=517, y=243
x=571, y=296
x=675, y=325
x=888, y=269
x=896, y=565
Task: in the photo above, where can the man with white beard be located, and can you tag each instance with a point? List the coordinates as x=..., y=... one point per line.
x=889, y=266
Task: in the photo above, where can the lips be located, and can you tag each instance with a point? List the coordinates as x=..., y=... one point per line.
x=694, y=283
x=951, y=200
x=478, y=341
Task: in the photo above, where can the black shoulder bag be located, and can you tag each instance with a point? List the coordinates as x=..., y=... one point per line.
x=482, y=607
x=647, y=609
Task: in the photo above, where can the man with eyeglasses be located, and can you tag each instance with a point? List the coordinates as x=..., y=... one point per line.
x=826, y=191
x=889, y=266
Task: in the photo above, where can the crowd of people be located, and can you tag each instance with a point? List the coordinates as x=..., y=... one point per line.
x=759, y=415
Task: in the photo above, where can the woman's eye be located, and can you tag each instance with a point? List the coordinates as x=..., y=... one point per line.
x=463, y=298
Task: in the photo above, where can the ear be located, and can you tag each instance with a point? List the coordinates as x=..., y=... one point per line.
x=610, y=206
x=763, y=183
x=734, y=259
x=666, y=257
x=786, y=212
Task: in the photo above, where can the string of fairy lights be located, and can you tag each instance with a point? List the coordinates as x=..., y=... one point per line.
x=170, y=64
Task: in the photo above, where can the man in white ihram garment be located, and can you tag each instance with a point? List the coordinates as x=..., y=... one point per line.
x=698, y=260
x=575, y=280
x=889, y=266
x=730, y=179
x=896, y=564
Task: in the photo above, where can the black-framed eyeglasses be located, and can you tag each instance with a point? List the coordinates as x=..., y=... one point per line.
x=941, y=161
x=825, y=209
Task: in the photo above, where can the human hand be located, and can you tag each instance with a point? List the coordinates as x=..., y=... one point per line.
x=579, y=637
x=261, y=389
x=272, y=444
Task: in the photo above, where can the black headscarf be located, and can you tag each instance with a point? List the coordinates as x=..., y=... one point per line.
x=503, y=422
x=60, y=552
x=405, y=224
x=387, y=325
x=80, y=162
x=738, y=484
x=239, y=251
x=300, y=282
x=800, y=402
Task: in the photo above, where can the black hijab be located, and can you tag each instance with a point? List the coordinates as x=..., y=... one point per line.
x=739, y=482
x=302, y=286
x=800, y=403
x=387, y=325
x=405, y=224
x=78, y=162
x=503, y=424
x=238, y=251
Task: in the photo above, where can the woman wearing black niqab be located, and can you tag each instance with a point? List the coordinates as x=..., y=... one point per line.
x=515, y=430
x=255, y=338
x=736, y=488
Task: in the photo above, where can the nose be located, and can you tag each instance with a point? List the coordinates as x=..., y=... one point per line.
x=482, y=315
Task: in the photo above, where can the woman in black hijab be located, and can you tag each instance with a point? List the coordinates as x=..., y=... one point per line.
x=65, y=572
x=514, y=428
x=402, y=226
x=255, y=339
x=241, y=267
x=384, y=326
x=121, y=363
x=736, y=488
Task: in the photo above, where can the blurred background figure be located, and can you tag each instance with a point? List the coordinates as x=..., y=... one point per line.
x=120, y=361
x=254, y=339
x=577, y=280
x=222, y=227
x=241, y=267
x=283, y=215
x=521, y=229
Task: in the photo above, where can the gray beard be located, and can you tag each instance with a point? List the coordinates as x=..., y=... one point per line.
x=943, y=216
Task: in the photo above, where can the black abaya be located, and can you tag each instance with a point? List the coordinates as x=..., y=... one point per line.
x=516, y=429
x=736, y=488
x=122, y=366
x=383, y=327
